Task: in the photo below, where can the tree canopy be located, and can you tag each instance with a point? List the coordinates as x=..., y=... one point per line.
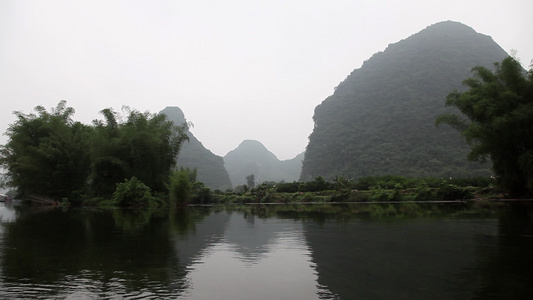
x=497, y=122
x=48, y=154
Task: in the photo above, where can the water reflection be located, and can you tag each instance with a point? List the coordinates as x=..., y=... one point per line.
x=8, y=212
x=106, y=253
x=504, y=262
x=277, y=252
x=258, y=258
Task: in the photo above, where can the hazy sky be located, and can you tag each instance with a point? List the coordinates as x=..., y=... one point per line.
x=238, y=69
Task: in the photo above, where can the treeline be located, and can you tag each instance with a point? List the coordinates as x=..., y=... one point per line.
x=128, y=158
x=365, y=189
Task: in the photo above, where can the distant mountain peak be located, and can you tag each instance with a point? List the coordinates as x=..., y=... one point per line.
x=252, y=149
x=194, y=155
x=174, y=114
x=252, y=145
x=252, y=157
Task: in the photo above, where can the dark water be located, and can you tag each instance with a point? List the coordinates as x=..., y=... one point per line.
x=267, y=252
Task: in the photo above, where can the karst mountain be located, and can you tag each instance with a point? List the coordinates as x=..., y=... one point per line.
x=193, y=155
x=252, y=157
x=381, y=119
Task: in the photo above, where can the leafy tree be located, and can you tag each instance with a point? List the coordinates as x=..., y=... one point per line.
x=145, y=146
x=180, y=186
x=497, y=122
x=46, y=153
x=250, y=181
x=201, y=193
x=319, y=184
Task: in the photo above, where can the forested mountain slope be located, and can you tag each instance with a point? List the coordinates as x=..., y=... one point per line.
x=381, y=118
x=194, y=155
x=252, y=157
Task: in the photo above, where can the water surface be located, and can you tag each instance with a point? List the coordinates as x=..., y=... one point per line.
x=266, y=252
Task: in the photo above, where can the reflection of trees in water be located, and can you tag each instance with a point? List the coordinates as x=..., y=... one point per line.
x=504, y=262
x=113, y=249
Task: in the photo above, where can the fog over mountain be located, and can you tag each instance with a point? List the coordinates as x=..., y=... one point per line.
x=252, y=157
x=254, y=69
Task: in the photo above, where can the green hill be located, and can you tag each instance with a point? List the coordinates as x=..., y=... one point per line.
x=381, y=119
x=194, y=155
x=252, y=157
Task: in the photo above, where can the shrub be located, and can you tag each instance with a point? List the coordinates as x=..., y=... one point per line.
x=317, y=185
x=132, y=192
x=453, y=192
x=424, y=193
x=379, y=195
x=287, y=187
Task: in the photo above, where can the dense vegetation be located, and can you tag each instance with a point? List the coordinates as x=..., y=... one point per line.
x=381, y=118
x=386, y=188
x=133, y=163
x=51, y=156
x=193, y=155
x=497, y=121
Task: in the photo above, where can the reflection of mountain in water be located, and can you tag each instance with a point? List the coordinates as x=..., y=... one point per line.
x=251, y=237
x=203, y=234
x=259, y=258
x=418, y=259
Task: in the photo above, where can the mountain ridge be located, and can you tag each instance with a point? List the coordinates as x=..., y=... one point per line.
x=252, y=157
x=210, y=167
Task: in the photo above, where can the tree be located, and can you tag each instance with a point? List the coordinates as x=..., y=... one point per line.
x=250, y=181
x=45, y=154
x=497, y=122
x=48, y=154
x=181, y=185
x=144, y=145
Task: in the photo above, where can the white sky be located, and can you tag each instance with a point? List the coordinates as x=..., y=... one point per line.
x=239, y=69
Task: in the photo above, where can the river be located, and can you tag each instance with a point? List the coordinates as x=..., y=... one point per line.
x=267, y=252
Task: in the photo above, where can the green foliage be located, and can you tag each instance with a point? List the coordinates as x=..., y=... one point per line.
x=453, y=192
x=201, y=194
x=263, y=192
x=379, y=194
x=319, y=184
x=145, y=146
x=180, y=186
x=133, y=193
x=288, y=187
x=496, y=121
x=48, y=154
x=387, y=182
x=184, y=188
x=342, y=183
x=424, y=193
